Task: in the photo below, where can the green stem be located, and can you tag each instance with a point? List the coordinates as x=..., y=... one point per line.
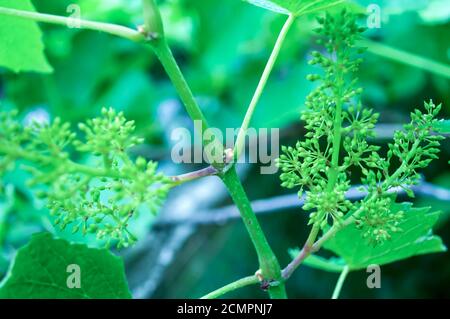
x=337, y=136
x=330, y=234
x=306, y=250
x=340, y=282
x=172, y=69
x=404, y=57
x=165, y=56
x=268, y=262
x=240, y=141
x=114, y=29
x=246, y=281
x=337, y=127
x=312, y=235
x=387, y=183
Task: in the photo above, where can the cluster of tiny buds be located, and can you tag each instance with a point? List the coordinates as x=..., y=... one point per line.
x=100, y=195
x=334, y=109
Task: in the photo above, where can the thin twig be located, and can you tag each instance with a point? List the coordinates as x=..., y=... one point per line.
x=208, y=171
x=110, y=28
x=340, y=282
x=240, y=140
x=246, y=281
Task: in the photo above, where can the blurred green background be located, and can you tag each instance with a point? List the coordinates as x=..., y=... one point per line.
x=222, y=47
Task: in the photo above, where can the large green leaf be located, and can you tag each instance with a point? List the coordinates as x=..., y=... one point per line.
x=21, y=47
x=295, y=7
x=415, y=239
x=42, y=269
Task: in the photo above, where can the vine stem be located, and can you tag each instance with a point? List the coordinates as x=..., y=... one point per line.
x=246, y=281
x=114, y=29
x=268, y=262
x=165, y=56
x=340, y=282
x=240, y=141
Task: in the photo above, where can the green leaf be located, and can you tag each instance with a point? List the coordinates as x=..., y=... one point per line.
x=332, y=264
x=295, y=7
x=21, y=46
x=41, y=270
x=415, y=239
x=443, y=126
